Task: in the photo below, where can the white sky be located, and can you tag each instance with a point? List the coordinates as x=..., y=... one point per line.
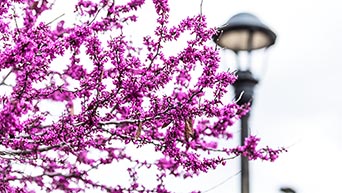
x=298, y=99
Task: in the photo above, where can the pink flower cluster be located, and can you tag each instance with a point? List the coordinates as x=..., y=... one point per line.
x=114, y=96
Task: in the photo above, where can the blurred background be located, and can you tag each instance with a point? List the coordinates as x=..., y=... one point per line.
x=297, y=101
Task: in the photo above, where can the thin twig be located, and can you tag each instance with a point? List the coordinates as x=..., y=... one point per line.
x=240, y=96
x=52, y=4
x=25, y=152
x=55, y=19
x=201, y=7
x=127, y=121
x=14, y=17
x=97, y=13
x=7, y=75
x=221, y=183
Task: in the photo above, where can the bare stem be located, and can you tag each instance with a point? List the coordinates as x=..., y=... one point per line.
x=7, y=75
x=55, y=19
x=25, y=152
x=201, y=7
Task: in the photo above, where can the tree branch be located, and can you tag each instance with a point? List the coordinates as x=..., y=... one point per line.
x=26, y=152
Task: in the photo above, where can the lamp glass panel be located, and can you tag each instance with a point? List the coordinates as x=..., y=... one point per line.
x=237, y=40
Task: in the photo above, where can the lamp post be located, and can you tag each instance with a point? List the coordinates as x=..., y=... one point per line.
x=244, y=32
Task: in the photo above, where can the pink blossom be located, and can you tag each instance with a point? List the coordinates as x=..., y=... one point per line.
x=108, y=94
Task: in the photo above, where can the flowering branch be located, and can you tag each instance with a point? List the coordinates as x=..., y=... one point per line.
x=79, y=96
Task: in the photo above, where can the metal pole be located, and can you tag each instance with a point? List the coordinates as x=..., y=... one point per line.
x=244, y=160
x=245, y=84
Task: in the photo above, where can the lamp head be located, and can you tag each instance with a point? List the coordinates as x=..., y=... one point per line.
x=244, y=32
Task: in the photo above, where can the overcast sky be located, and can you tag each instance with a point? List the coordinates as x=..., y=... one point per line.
x=297, y=102
x=298, y=99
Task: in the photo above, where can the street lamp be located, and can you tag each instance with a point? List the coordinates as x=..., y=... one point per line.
x=244, y=32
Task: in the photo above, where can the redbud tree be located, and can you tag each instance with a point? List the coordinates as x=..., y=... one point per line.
x=70, y=90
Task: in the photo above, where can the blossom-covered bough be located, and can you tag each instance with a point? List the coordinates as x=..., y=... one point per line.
x=108, y=94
